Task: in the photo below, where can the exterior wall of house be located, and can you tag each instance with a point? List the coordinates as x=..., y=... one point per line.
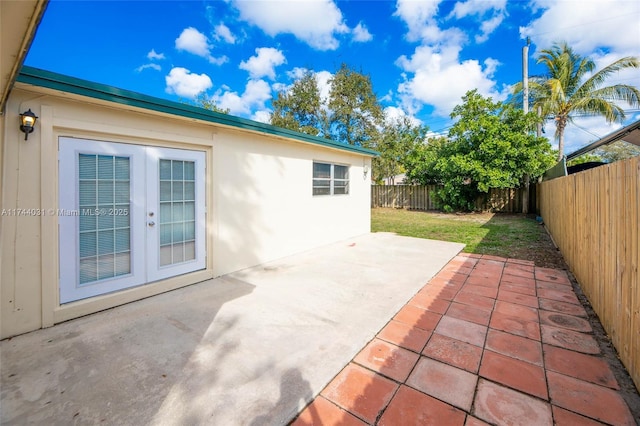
x=258, y=194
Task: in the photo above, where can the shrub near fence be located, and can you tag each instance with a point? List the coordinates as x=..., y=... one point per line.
x=419, y=197
x=593, y=217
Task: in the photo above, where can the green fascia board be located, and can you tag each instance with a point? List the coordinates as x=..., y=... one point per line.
x=64, y=83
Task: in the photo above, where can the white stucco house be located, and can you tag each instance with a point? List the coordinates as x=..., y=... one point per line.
x=117, y=196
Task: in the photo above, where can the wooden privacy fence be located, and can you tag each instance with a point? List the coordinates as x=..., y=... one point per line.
x=593, y=217
x=419, y=197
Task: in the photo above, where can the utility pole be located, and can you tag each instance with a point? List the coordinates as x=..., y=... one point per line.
x=525, y=108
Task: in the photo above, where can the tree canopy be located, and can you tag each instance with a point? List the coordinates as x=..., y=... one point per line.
x=571, y=87
x=351, y=114
x=491, y=145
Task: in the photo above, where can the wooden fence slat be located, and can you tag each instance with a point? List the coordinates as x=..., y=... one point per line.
x=593, y=217
x=420, y=197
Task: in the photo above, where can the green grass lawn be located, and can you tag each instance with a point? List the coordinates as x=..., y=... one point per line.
x=505, y=235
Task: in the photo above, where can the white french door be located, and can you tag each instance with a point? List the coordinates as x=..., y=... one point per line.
x=128, y=215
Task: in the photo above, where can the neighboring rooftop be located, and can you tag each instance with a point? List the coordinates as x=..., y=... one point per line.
x=630, y=134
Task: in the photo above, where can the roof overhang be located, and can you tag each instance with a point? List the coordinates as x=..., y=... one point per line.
x=70, y=85
x=630, y=134
x=19, y=20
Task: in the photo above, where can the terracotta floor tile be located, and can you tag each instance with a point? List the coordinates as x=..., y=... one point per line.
x=500, y=405
x=590, y=400
x=474, y=300
x=469, y=313
x=321, y=412
x=581, y=366
x=517, y=271
x=569, y=322
x=454, y=352
x=417, y=317
x=430, y=303
x=492, y=281
x=466, y=258
x=387, y=359
x=515, y=346
x=360, y=391
x=462, y=330
x=514, y=325
x=564, y=307
x=440, y=291
x=517, y=288
x=480, y=290
x=552, y=275
x=514, y=373
x=410, y=407
x=483, y=270
x=554, y=286
x=518, y=298
x=405, y=335
x=529, y=263
x=562, y=417
x=519, y=281
x=515, y=310
x=473, y=421
x=494, y=258
x=561, y=296
x=568, y=339
x=449, y=384
x=452, y=276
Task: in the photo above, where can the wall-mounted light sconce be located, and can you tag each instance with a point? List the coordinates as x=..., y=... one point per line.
x=365, y=171
x=27, y=122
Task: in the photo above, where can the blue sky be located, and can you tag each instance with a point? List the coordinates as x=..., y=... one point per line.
x=422, y=56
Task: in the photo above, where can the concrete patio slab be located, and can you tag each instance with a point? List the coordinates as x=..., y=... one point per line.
x=250, y=348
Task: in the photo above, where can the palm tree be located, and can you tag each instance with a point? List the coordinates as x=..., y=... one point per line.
x=567, y=89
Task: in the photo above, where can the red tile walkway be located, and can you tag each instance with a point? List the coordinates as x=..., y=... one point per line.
x=487, y=341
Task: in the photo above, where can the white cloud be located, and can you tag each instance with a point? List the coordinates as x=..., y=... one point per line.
x=392, y=114
x=477, y=7
x=421, y=20
x=361, y=34
x=587, y=26
x=316, y=22
x=222, y=32
x=184, y=83
x=440, y=79
x=193, y=41
x=147, y=66
x=263, y=116
x=154, y=56
x=263, y=63
x=481, y=9
x=256, y=93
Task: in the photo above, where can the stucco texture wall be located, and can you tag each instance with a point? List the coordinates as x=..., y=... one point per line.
x=258, y=193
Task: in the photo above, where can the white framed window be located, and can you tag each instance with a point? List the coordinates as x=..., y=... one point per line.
x=330, y=179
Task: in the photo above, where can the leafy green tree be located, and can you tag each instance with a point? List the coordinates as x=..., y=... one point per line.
x=203, y=102
x=355, y=115
x=490, y=146
x=300, y=107
x=420, y=162
x=571, y=87
x=617, y=151
x=397, y=139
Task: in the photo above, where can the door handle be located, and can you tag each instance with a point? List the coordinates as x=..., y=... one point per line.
x=152, y=223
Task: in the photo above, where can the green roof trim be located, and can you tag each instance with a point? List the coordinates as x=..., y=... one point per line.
x=51, y=80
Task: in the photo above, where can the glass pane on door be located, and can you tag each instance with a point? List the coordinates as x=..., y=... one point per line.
x=177, y=215
x=104, y=233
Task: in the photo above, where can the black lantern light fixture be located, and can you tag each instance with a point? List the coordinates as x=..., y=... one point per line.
x=27, y=122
